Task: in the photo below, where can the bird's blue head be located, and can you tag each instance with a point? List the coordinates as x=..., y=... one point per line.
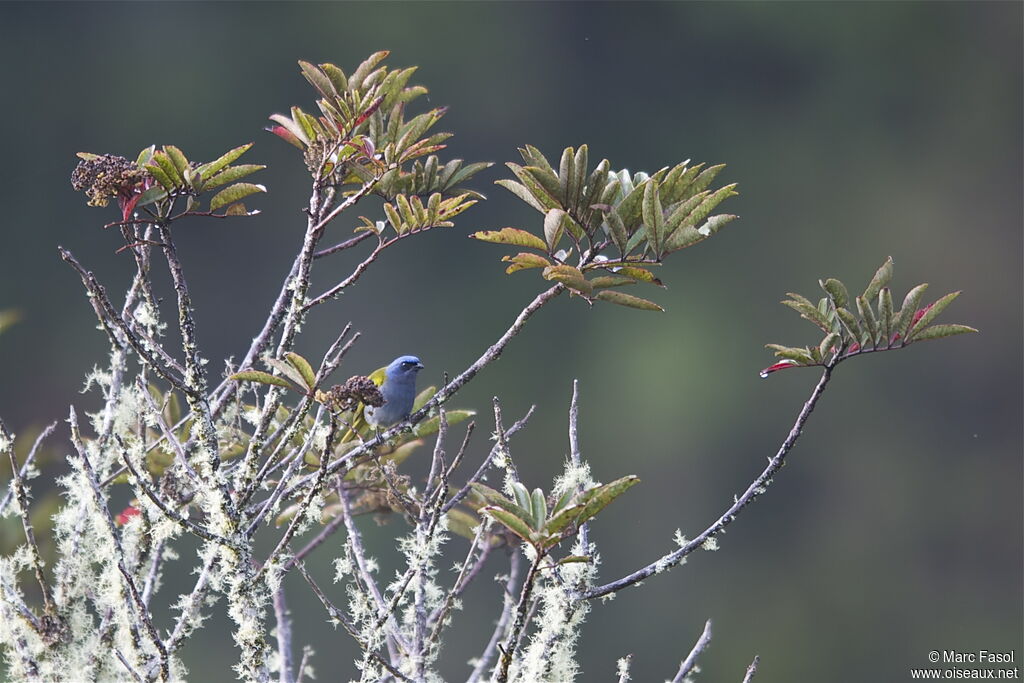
x=404, y=367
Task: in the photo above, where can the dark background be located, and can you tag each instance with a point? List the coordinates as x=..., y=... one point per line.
x=855, y=131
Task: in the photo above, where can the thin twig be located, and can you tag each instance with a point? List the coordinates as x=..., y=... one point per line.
x=347, y=244
x=311, y=494
x=337, y=614
x=754, y=490
x=112, y=321
x=25, y=466
x=195, y=374
x=324, y=534
x=486, y=464
x=508, y=601
x=691, y=659
x=624, y=668
x=469, y=570
x=752, y=669
x=576, y=458
x=127, y=666
x=284, y=635
x=18, y=488
x=522, y=608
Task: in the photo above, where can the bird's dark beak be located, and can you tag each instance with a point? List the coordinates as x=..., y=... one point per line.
x=419, y=366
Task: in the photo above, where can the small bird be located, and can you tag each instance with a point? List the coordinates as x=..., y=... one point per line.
x=397, y=384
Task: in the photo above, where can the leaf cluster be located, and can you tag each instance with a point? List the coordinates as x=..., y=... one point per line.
x=543, y=523
x=166, y=175
x=865, y=323
x=362, y=136
x=617, y=223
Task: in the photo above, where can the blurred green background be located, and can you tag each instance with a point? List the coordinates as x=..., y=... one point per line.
x=856, y=131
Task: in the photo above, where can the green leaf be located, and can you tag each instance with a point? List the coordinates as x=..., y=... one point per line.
x=231, y=174
x=792, y=353
x=617, y=230
x=851, y=325
x=396, y=221
x=930, y=313
x=882, y=277
x=688, y=235
x=836, y=290
x=433, y=424
x=604, y=495
x=868, y=316
x=524, y=260
x=831, y=339
x=629, y=300
x=8, y=318
x=318, y=79
x=939, y=331
x=287, y=370
x=154, y=169
x=539, y=508
x=521, y=191
x=885, y=314
x=569, y=276
x=233, y=193
x=639, y=274
x=654, y=217
x=510, y=522
x=553, y=227
x=262, y=378
x=423, y=397
x=167, y=166
x=462, y=523
x=207, y=170
x=304, y=368
x=522, y=496
x=569, y=559
x=807, y=311
x=153, y=194
x=604, y=281
x=511, y=236
x=178, y=159
x=588, y=504
x=906, y=315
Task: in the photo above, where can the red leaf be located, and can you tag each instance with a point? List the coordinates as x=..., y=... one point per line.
x=781, y=365
x=286, y=135
x=369, y=111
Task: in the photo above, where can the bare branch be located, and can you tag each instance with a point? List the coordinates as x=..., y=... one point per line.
x=284, y=635
x=522, y=608
x=347, y=244
x=755, y=489
x=752, y=669
x=113, y=323
x=483, y=662
x=25, y=466
x=18, y=488
x=691, y=659
x=576, y=458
